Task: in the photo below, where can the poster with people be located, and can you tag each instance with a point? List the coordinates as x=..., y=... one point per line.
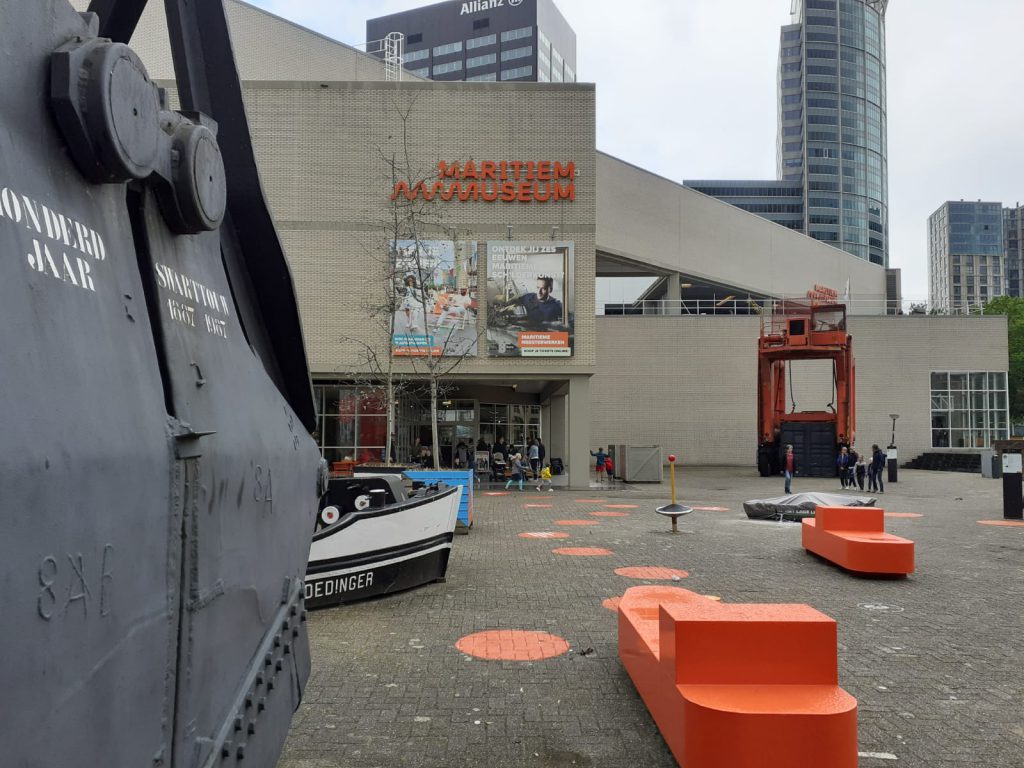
x=529, y=299
x=436, y=297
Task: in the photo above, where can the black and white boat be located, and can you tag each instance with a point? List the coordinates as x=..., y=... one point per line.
x=373, y=538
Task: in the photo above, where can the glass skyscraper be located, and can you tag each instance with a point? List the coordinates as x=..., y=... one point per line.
x=965, y=255
x=832, y=125
x=831, y=139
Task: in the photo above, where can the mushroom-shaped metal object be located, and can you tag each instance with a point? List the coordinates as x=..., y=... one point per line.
x=673, y=510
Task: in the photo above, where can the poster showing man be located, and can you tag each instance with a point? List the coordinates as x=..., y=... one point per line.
x=529, y=299
x=436, y=297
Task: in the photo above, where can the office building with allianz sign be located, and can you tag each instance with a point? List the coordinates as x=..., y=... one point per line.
x=480, y=220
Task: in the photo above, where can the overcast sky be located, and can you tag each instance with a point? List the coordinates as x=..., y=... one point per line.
x=686, y=89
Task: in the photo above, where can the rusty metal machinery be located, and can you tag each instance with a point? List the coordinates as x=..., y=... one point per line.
x=159, y=479
x=813, y=328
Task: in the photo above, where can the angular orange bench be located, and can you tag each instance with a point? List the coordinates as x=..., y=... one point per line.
x=855, y=539
x=738, y=686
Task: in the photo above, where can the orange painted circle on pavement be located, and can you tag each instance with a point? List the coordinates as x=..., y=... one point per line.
x=512, y=645
x=589, y=501
x=712, y=509
x=610, y=514
x=653, y=572
x=544, y=535
x=582, y=551
x=577, y=522
x=1006, y=523
x=612, y=603
x=496, y=493
x=536, y=506
x=622, y=506
x=903, y=514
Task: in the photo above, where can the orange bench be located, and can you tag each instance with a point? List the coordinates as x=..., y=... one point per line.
x=855, y=539
x=743, y=686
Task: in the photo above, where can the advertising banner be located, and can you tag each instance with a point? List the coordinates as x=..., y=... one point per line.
x=436, y=297
x=529, y=299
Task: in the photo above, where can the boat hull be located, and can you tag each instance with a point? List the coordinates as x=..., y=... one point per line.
x=376, y=552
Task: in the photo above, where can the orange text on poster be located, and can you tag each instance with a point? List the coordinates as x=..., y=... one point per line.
x=552, y=339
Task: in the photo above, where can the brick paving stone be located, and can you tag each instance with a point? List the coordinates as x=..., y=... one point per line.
x=933, y=660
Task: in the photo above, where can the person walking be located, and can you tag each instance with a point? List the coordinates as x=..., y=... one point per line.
x=533, y=454
x=875, y=473
x=599, y=457
x=861, y=469
x=789, y=468
x=843, y=465
x=545, y=479
x=851, y=468
x=609, y=469
x=518, y=470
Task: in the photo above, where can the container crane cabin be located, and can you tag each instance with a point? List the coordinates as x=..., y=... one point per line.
x=811, y=328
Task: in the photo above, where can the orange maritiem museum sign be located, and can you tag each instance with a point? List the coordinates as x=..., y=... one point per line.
x=506, y=181
x=823, y=294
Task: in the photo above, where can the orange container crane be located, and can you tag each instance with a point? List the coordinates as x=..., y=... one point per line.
x=812, y=328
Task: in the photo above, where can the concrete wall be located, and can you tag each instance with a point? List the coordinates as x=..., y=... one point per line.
x=321, y=154
x=689, y=383
x=648, y=218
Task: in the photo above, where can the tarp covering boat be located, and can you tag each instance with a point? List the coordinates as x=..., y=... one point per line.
x=797, y=506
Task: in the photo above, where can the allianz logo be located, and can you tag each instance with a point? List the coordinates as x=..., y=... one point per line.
x=475, y=6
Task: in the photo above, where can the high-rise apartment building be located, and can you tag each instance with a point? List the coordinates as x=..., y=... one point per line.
x=965, y=255
x=524, y=40
x=831, y=138
x=1013, y=249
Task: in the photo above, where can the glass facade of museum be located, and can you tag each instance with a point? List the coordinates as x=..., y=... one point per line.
x=968, y=409
x=352, y=424
x=832, y=121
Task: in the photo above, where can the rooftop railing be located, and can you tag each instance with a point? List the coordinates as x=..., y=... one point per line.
x=755, y=306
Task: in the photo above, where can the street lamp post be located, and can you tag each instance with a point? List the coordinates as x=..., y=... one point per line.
x=891, y=450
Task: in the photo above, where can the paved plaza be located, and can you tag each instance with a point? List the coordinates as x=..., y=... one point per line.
x=936, y=661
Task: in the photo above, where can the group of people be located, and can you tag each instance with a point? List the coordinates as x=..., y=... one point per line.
x=519, y=470
x=504, y=456
x=501, y=456
x=851, y=465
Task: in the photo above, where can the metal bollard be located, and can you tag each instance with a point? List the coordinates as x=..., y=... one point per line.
x=1013, y=503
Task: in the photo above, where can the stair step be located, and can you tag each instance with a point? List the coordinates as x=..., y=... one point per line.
x=946, y=462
